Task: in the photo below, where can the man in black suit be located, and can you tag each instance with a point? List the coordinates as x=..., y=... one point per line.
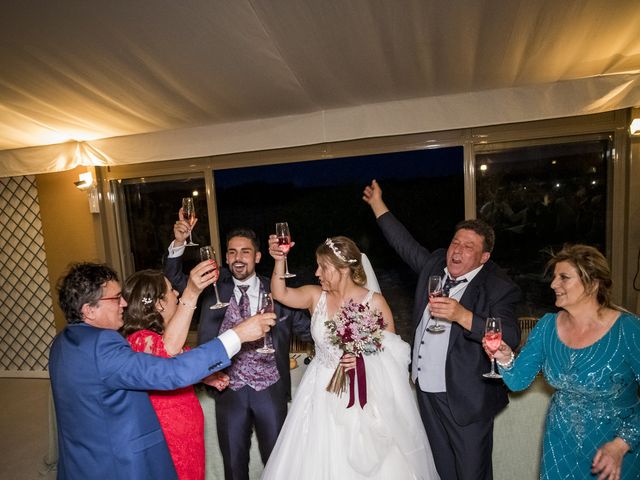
x=457, y=403
x=259, y=384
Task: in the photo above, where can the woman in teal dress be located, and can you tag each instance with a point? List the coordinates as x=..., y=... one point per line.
x=589, y=352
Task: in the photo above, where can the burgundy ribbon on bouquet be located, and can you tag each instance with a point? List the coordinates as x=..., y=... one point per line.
x=359, y=374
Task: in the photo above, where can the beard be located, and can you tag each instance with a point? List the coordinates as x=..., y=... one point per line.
x=240, y=271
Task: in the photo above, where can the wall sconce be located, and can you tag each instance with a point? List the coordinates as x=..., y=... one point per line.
x=85, y=183
x=634, y=126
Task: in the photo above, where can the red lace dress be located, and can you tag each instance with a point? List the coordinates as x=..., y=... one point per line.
x=179, y=413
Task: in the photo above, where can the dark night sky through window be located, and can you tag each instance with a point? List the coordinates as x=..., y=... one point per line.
x=441, y=162
x=321, y=198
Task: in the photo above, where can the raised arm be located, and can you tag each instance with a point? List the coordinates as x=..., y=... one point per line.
x=373, y=196
x=399, y=238
x=302, y=297
x=177, y=327
x=173, y=263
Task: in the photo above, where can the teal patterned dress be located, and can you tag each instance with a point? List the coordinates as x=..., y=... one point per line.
x=595, y=400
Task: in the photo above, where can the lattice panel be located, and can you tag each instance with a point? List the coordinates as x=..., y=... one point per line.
x=26, y=311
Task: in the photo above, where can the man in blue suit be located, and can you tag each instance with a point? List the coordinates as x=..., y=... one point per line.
x=107, y=427
x=260, y=384
x=457, y=404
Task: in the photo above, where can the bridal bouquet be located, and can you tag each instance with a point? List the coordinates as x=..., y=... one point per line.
x=355, y=329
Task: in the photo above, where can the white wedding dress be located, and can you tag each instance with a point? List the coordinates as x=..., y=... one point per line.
x=321, y=439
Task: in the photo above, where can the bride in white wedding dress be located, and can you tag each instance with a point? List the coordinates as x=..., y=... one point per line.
x=322, y=438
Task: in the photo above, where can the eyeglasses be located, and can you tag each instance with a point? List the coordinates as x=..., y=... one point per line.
x=115, y=297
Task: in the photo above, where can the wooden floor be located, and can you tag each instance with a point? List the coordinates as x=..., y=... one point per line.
x=24, y=434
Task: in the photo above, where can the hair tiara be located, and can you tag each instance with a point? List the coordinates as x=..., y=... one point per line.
x=336, y=251
x=147, y=300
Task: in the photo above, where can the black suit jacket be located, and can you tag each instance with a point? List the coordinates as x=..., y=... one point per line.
x=289, y=321
x=491, y=293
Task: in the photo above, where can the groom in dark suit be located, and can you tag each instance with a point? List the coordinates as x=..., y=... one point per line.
x=107, y=427
x=457, y=404
x=259, y=384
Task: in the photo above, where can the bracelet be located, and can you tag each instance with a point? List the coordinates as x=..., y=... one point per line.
x=509, y=364
x=192, y=307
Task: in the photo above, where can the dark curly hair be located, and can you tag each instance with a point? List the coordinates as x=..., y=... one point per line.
x=82, y=284
x=150, y=286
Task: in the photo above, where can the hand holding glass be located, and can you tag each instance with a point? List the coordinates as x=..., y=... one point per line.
x=265, y=306
x=189, y=215
x=492, y=340
x=284, y=242
x=435, y=288
x=208, y=253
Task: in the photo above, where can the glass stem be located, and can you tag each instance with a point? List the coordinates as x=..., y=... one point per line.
x=493, y=365
x=215, y=289
x=286, y=266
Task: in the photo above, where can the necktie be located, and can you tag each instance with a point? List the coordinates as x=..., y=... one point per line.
x=450, y=283
x=243, y=305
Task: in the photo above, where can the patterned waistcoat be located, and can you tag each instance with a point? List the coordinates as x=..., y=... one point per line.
x=249, y=367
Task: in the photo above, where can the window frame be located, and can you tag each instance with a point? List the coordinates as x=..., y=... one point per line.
x=473, y=140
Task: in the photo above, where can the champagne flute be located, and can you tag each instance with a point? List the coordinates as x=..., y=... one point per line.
x=189, y=214
x=493, y=339
x=284, y=241
x=436, y=289
x=265, y=306
x=208, y=253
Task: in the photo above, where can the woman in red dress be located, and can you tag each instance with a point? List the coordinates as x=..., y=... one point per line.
x=156, y=321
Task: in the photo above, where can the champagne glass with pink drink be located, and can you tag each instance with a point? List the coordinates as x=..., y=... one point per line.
x=284, y=241
x=493, y=339
x=435, y=288
x=189, y=215
x=266, y=306
x=208, y=253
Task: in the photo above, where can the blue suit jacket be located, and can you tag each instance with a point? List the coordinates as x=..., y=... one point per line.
x=471, y=397
x=107, y=427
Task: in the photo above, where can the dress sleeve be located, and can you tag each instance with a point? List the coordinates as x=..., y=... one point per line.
x=630, y=428
x=529, y=362
x=148, y=342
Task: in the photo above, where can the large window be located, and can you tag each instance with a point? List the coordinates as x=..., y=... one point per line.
x=424, y=188
x=537, y=193
x=538, y=198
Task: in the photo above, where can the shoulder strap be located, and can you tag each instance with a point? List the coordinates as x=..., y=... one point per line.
x=368, y=298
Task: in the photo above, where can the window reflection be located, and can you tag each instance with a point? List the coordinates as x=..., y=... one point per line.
x=538, y=198
x=152, y=208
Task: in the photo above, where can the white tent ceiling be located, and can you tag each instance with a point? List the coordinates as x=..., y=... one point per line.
x=145, y=80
